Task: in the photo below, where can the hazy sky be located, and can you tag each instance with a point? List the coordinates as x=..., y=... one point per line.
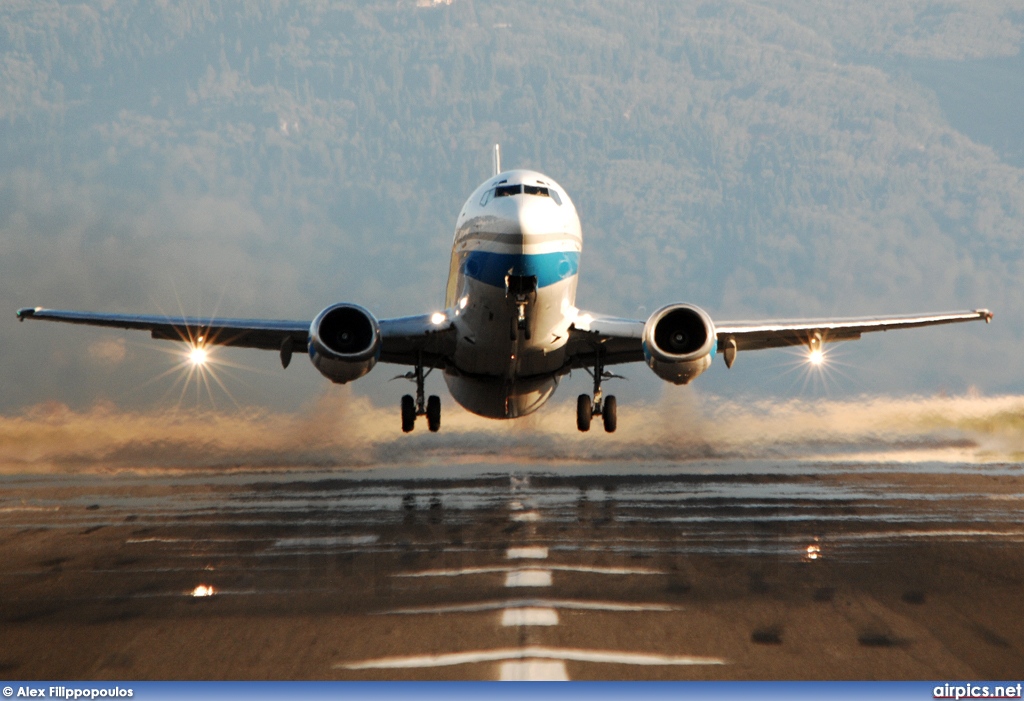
x=267, y=160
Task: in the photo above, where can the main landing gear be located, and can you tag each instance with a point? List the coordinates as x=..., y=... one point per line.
x=606, y=407
x=411, y=408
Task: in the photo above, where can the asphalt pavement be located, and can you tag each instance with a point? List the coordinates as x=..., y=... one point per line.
x=747, y=569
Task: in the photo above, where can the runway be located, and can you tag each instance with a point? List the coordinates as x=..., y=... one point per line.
x=702, y=569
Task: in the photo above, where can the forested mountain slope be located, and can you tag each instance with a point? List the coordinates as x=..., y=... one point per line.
x=758, y=159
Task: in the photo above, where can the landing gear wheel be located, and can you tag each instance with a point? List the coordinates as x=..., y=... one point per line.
x=584, y=412
x=608, y=414
x=434, y=413
x=408, y=413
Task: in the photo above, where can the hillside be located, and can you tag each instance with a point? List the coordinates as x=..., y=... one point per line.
x=267, y=159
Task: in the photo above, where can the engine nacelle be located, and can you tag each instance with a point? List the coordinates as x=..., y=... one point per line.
x=679, y=342
x=344, y=342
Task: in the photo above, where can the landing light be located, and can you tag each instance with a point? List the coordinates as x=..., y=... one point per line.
x=816, y=357
x=437, y=318
x=198, y=355
x=203, y=590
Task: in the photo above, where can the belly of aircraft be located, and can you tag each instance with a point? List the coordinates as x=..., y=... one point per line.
x=490, y=343
x=499, y=370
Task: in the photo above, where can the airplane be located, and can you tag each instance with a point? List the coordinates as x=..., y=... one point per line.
x=510, y=329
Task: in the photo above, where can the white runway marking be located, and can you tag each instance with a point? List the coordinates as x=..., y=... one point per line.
x=559, y=568
x=882, y=535
x=532, y=553
x=529, y=616
x=529, y=652
x=525, y=516
x=11, y=509
x=533, y=671
x=528, y=578
x=605, y=570
x=326, y=541
x=527, y=603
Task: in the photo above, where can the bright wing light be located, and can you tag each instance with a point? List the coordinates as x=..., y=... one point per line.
x=816, y=357
x=198, y=355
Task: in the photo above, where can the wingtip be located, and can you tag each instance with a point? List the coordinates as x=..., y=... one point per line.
x=984, y=314
x=26, y=312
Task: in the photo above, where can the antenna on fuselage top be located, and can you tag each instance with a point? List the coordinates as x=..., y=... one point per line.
x=497, y=159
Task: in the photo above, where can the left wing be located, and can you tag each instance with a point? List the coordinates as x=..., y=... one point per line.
x=621, y=340
x=403, y=340
x=245, y=333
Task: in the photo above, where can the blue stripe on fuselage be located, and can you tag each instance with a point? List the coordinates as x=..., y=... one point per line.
x=549, y=268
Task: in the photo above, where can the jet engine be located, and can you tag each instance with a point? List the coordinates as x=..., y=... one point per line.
x=679, y=342
x=344, y=342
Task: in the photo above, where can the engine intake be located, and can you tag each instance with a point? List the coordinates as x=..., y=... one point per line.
x=344, y=342
x=679, y=342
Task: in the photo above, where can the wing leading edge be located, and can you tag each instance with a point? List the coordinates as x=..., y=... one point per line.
x=407, y=340
x=755, y=335
x=621, y=340
x=244, y=333
x=403, y=340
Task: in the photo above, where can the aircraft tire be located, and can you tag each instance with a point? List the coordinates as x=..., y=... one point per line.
x=433, y=413
x=408, y=413
x=584, y=412
x=609, y=414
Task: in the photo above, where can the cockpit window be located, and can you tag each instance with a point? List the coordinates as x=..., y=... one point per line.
x=507, y=190
x=517, y=189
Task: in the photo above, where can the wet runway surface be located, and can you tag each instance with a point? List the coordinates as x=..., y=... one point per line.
x=697, y=570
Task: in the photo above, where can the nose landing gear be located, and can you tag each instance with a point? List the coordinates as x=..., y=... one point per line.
x=605, y=407
x=420, y=406
x=521, y=291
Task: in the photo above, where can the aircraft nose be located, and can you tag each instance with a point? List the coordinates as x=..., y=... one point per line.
x=536, y=216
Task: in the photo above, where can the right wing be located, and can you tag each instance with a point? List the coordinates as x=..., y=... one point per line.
x=621, y=340
x=755, y=335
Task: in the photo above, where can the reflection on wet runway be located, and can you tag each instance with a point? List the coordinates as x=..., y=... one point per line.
x=692, y=570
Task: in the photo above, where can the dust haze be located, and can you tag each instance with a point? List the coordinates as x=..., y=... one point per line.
x=345, y=431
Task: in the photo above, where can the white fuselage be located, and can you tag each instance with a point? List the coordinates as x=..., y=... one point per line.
x=511, y=293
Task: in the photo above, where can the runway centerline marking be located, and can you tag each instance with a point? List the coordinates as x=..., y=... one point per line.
x=528, y=578
x=506, y=569
x=326, y=541
x=527, y=553
x=525, y=516
x=533, y=671
x=570, y=604
x=530, y=652
x=529, y=616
